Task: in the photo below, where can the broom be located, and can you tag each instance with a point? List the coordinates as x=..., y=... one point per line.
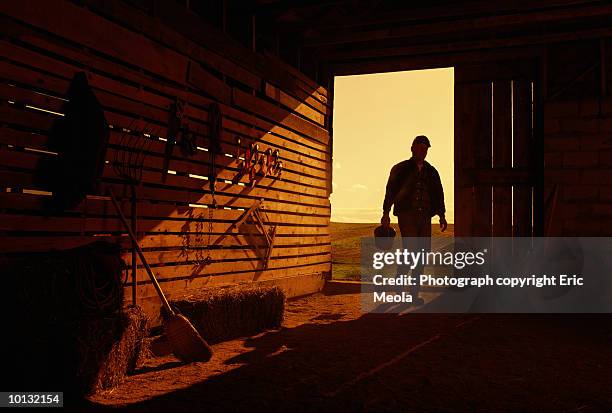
x=186, y=342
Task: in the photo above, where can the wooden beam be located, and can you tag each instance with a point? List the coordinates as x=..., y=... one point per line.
x=497, y=22
x=458, y=9
x=277, y=8
x=501, y=176
x=450, y=46
x=418, y=62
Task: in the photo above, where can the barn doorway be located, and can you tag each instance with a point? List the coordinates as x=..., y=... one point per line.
x=375, y=119
x=482, y=121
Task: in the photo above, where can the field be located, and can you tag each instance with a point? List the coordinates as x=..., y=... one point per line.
x=346, y=246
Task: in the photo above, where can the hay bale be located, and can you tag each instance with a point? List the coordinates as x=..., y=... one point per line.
x=226, y=313
x=69, y=320
x=108, y=349
x=66, y=285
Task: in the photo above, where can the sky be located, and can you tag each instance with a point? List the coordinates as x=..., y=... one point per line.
x=376, y=117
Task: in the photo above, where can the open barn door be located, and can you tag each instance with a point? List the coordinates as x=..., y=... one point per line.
x=496, y=153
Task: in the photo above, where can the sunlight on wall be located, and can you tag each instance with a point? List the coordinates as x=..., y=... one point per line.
x=376, y=117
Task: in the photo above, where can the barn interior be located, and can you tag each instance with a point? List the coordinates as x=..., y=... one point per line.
x=212, y=143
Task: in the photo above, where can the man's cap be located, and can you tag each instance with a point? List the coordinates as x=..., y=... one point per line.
x=422, y=139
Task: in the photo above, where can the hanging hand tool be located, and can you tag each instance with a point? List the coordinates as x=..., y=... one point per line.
x=265, y=162
x=187, y=141
x=254, y=213
x=277, y=164
x=249, y=163
x=175, y=117
x=253, y=162
x=239, y=162
x=270, y=164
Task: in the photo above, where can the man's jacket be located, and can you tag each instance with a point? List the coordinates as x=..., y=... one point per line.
x=400, y=187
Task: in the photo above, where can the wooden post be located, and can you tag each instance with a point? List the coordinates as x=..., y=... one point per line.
x=329, y=125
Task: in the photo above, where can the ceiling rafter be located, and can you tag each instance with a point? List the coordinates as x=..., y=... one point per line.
x=497, y=22
x=466, y=46
x=452, y=10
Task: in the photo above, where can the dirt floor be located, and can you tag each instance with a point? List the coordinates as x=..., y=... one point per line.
x=330, y=357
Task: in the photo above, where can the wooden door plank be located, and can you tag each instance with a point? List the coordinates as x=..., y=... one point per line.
x=523, y=147
x=473, y=111
x=464, y=160
x=502, y=156
x=482, y=112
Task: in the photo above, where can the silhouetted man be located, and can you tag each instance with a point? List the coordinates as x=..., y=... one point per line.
x=415, y=190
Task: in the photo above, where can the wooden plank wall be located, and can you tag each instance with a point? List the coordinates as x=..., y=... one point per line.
x=578, y=138
x=137, y=67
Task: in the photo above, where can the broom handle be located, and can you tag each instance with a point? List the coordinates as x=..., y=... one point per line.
x=140, y=254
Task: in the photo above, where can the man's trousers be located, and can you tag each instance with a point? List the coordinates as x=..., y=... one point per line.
x=414, y=224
